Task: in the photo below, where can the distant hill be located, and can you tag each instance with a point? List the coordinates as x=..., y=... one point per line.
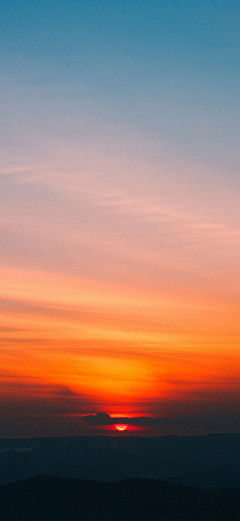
x=113, y=458
x=47, y=498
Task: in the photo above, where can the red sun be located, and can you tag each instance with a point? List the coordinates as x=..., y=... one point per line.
x=121, y=427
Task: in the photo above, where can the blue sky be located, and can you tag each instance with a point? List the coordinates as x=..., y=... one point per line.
x=169, y=69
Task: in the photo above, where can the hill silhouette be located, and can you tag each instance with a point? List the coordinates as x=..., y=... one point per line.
x=219, y=479
x=114, y=458
x=48, y=498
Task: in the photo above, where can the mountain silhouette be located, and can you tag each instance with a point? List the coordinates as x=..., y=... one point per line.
x=48, y=498
x=115, y=458
x=219, y=479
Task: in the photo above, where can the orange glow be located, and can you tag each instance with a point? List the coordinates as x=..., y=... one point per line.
x=114, y=346
x=121, y=427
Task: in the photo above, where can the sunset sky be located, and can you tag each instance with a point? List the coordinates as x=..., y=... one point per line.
x=120, y=228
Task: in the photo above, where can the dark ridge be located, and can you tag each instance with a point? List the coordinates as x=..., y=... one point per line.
x=47, y=498
x=212, y=479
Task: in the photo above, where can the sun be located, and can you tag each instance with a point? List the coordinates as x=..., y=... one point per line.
x=121, y=427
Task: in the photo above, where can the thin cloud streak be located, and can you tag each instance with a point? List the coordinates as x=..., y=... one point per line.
x=184, y=235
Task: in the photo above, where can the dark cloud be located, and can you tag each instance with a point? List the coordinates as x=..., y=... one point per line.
x=101, y=418
x=31, y=399
x=201, y=424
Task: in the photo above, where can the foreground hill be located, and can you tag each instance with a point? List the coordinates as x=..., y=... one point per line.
x=47, y=498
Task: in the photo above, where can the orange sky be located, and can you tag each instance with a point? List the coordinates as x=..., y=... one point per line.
x=71, y=346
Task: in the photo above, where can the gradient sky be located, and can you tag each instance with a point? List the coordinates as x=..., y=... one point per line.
x=119, y=230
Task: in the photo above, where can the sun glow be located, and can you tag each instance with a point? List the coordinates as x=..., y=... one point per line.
x=121, y=427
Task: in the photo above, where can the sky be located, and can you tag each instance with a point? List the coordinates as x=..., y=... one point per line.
x=119, y=229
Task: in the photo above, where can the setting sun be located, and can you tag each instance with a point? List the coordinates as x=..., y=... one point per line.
x=121, y=427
